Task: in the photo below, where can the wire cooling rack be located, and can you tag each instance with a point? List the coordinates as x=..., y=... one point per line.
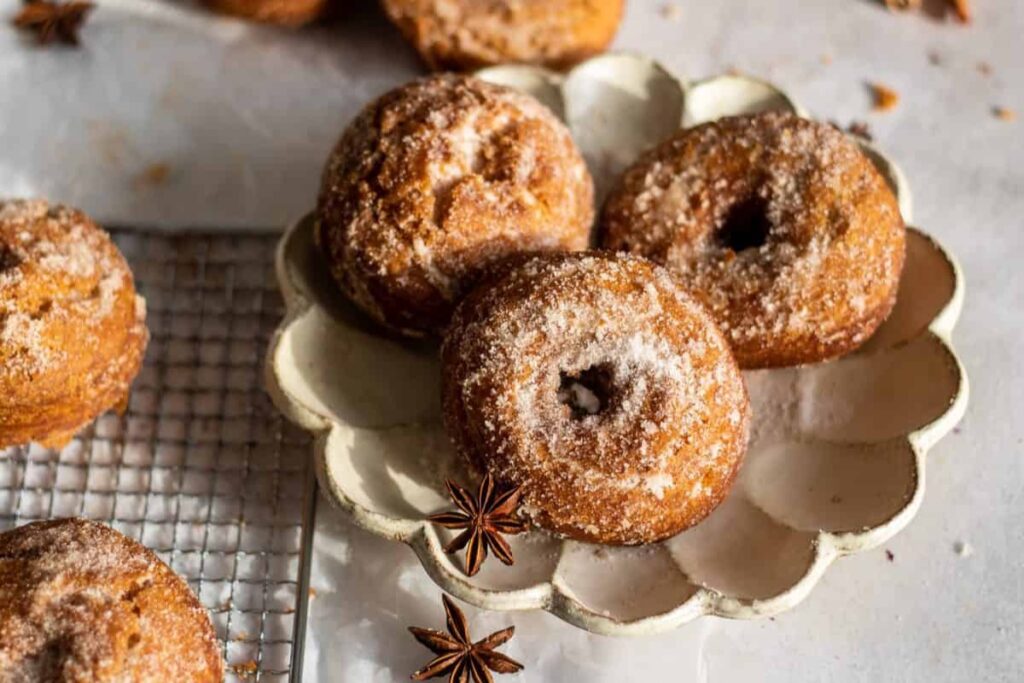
x=201, y=468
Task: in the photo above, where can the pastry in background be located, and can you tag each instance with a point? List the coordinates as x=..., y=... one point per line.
x=437, y=180
x=781, y=226
x=72, y=329
x=283, y=12
x=598, y=386
x=467, y=34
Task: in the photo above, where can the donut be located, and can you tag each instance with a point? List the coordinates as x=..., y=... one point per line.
x=437, y=180
x=72, y=329
x=467, y=34
x=597, y=384
x=779, y=225
x=283, y=12
x=82, y=603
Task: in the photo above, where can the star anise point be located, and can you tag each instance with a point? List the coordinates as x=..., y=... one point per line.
x=458, y=657
x=483, y=519
x=52, y=21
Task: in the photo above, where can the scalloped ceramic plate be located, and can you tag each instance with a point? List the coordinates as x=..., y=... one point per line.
x=836, y=459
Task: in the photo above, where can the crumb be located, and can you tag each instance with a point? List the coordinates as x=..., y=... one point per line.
x=835, y=499
x=962, y=8
x=886, y=99
x=226, y=605
x=671, y=11
x=963, y=548
x=1004, y=114
x=956, y=430
x=771, y=618
x=889, y=555
x=825, y=59
x=250, y=668
x=985, y=69
x=901, y=5
x=861, y=130
x=312, y=593
x=241, y=636
x=153, y=175
x=934, y=58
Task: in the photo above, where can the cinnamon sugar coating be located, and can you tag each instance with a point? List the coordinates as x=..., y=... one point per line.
x=467, y=34
x=82, y=603
x=284, y=12
x=597, y=384
x=779, y=225
x=435, y=181
x=72, y=329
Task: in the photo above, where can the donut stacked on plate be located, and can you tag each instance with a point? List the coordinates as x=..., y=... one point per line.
x=605, y=384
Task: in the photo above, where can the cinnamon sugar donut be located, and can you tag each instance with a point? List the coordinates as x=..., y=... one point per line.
x=284, y=12
x=779, y=225
x=82, y=603
x=72, y=329
x=435, y=181
x=466, y=34
x=597, y=384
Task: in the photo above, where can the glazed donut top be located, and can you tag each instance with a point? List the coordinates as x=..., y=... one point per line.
x=661, y=425
x=780, y=225
x=82, y=603
x=437, y=179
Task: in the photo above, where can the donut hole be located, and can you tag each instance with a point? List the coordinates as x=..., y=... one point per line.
x=8, y=258
x=588, y=392
x=746, y=225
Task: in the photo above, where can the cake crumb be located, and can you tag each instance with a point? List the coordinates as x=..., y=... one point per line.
x=245, y=669
x=312, y=593
x=153, y=175
x=1004, y=114
x=825, y=59
x=672, y=11
x=889, y=555
x=962, y=9
x=886, y=99
x=963, y=548
x=985, y=69
x=934, y=58
x=902, y=5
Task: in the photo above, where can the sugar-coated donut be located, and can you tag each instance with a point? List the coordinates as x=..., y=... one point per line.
x=595, y=382
x=283, y=12
x=438, y=179
x=82, y=603
x=779, y=225
x=72, y=329
x=466, y=34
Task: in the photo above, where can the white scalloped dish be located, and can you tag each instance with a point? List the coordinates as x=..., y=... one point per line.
x=837, y=453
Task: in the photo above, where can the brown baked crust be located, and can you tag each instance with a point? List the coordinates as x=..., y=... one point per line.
x=283, y=12
x=827, y=272
x=82, y=603
x=668, y=423
x=468, y=34
x=72, y=329
x=435, y=181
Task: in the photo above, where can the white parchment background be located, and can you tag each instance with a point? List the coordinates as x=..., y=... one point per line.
x=168, y=117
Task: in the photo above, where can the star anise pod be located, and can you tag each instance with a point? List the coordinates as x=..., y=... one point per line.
x=485, y=518
x=53, y=20
x=458, y=656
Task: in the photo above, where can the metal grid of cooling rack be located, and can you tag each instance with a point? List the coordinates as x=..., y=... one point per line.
x=201, y=468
